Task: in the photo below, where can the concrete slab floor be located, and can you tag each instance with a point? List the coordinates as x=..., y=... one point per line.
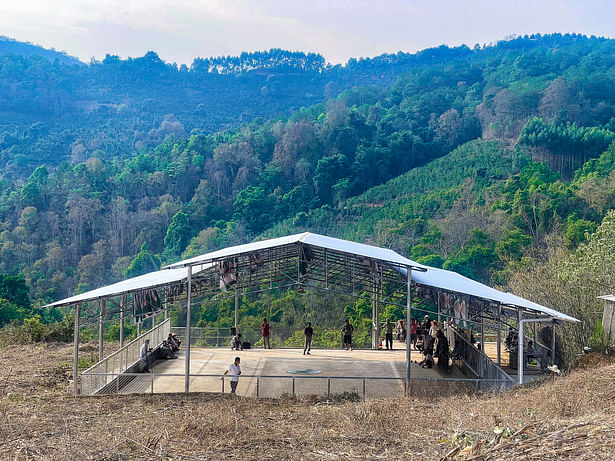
x=278, y=362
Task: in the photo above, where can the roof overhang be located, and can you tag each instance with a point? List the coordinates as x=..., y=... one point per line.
x=421, y=274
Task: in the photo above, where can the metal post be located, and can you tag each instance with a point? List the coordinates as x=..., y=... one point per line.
x=76, y=350
x=236, y=310
x=374, y=321
x=408, y=322
x=553, y=344
x=258, y=382
x=520, y=348
x=499, y=345
x=328, y=387
x=188, y=306
x=439, y=309
x=482, y=332
x=293, y=386
x=139, y=326
x=122, y=316
x=364, y=388
x=101, y=331
x=521, y=361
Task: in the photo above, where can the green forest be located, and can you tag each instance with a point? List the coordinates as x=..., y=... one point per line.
x=494, y=161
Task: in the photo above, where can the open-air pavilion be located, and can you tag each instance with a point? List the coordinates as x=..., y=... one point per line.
x=304, y=261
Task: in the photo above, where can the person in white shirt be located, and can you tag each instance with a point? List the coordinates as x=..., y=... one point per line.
x=235, y=371
x=143, y=355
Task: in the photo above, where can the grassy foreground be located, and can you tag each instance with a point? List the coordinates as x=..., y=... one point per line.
x=571, y=417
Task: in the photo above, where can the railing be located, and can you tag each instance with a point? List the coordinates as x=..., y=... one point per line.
x=102, y=373
x=314, y=385
x=480, y=365
x=281, y=337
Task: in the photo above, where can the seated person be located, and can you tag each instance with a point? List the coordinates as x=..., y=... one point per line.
x=166, y=352
x=177, y=340
x=236, y=342
x=172, y=344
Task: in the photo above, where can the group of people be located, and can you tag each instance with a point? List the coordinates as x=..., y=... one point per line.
x=432, y=342
x=166, y=351
x=169, y=347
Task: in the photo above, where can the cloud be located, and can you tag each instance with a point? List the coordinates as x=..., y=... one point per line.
x=180, y=30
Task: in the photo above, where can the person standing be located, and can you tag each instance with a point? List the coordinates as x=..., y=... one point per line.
x=442, y=350
x=308, y=331
x=388, y=334
x=266, y=334
x=235, y=371
x=347, y=330
x=414, y=325
x=143, y=356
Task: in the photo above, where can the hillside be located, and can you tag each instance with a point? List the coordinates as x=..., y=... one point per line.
x=9, y=46
x=52, y=112
x=571, y=417
x=472, y=160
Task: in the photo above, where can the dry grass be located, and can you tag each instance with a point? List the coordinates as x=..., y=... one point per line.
x=564, y=418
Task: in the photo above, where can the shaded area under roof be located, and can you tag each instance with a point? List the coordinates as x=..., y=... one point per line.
x=421, y=274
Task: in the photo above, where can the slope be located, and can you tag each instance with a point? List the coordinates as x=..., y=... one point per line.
x=571, y=417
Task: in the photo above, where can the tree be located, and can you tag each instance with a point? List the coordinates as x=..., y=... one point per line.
x=178, y=235
x=145, y=261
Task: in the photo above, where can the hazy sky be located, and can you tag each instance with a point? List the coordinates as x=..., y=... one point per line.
x=179, y=30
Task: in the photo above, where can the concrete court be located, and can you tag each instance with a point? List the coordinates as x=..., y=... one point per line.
x=277, y=362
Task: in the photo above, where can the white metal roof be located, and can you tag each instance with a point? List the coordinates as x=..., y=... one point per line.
x=322, y=241
x=608, y=298
x=452, y=281
x=150, y=280
x=434, y=277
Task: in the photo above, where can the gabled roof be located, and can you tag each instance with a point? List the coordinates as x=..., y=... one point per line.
x=322, y=241
x=150, y=280
x=424, y=275
x=452, y=281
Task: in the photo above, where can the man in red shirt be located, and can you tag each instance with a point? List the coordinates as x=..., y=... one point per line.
x=265, y=332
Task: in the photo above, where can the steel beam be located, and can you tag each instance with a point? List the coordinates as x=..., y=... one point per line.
x=188, y=307
x=76, y=351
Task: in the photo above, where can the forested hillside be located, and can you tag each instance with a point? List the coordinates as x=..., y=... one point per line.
x=472, y=161
x=55, y=109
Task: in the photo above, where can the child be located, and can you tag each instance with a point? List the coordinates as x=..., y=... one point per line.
x=235, y=371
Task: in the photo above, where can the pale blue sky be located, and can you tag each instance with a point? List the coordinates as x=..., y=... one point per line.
x=179, y=30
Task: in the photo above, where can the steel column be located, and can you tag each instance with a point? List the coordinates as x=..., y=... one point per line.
x=236, y=310
x=408, y=322
x=76, y=350
x=482, y=332
x=499, y=345
x=188, y=307
x=553, y=344
x=122, y=316
x=101, y=330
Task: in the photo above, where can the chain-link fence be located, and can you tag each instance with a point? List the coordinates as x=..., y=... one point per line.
x=101, y=374
x=281, y=337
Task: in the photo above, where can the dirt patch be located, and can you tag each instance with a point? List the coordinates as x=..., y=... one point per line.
x=570, y=417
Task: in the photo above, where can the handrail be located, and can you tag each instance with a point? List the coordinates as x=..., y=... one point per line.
x=481, y=356
x=93, y=379
x=138, y=338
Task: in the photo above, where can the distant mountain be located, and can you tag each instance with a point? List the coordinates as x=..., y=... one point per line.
x=52, y=112
x=11, y=46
